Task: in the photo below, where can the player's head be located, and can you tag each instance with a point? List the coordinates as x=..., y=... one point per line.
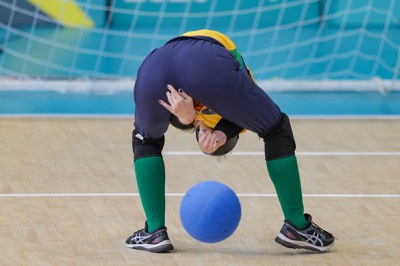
x=224, y=149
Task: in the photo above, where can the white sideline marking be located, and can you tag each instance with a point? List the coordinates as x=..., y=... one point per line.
x=304, y=153
x=182, y=194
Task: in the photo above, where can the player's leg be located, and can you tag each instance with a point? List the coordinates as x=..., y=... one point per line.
x=255, y=111
x=151, y=122
x=298, y=230
x=230, y=92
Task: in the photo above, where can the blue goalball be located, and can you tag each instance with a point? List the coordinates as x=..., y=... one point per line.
x=210, y=211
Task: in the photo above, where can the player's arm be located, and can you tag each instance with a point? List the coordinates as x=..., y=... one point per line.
x=181, y=107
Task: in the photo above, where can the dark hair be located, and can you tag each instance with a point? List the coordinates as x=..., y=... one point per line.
x=224, y=149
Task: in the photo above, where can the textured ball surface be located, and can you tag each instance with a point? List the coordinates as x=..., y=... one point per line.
x=210, y=211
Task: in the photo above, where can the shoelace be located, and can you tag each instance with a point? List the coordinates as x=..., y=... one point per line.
x=137, y=231
x=321, y=231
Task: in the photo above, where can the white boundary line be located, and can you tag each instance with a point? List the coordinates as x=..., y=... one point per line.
x=39, y=195
x=304, y=153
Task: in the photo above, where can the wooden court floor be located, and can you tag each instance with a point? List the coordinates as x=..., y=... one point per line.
x=68, y=194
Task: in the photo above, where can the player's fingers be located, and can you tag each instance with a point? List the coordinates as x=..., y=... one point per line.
x=173, y=92
x=205, y=141
x=210, y=142
x=215, y=142
x=165, y=105
x=184, y=95
x=171, y=99
x=203, y=129
x=203, y=135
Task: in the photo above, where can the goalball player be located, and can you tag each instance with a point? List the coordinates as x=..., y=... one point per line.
x=200, y=80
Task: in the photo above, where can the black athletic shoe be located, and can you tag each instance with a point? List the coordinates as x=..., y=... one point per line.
x=158, y=241
x=312, y=237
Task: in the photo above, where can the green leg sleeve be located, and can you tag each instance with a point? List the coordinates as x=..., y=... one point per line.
x=150, y=178
x=285, y=175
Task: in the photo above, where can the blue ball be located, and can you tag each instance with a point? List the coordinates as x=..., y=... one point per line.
x=210, y=211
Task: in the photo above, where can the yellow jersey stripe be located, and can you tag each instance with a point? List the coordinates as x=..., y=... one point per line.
x=221, y=38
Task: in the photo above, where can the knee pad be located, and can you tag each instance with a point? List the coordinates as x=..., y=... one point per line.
x=146, y=147
x=279, y=140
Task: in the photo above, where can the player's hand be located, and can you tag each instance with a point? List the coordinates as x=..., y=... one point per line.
x=210, y=141
x=179, y=104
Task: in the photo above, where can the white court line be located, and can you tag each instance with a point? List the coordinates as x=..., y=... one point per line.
x=182, y=194
x=304, y=153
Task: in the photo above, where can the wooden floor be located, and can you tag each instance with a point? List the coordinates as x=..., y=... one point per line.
x=66, y=157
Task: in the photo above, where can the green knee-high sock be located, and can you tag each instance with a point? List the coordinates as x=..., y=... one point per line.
x=284, y=173
x=150, y=178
